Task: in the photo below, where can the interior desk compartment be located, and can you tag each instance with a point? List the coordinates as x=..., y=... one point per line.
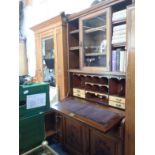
x=78, y=81
x=117, y=87
x=97, y=97
x=117, y=92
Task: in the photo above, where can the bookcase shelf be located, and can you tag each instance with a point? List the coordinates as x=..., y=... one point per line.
x=90, y=30
x=119, y=44
x=50, y=133
x=97, y=73
x=74, y=31
x=74, y=48
x=119, y=21
x=97, y=84
x=119, y=55
x=74, y=55
x=94, y=54
x=97, y=93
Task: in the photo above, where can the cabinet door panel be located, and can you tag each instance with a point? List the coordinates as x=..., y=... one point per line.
x=101, y=145
x=95, y=40
x=76, y=137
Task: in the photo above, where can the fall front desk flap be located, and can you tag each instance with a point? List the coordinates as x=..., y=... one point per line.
x=106, y=118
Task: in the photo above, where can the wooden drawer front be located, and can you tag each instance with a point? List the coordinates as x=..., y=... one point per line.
x=117, y=99
x=117, y=104
x=75, y=90
x=79, y=93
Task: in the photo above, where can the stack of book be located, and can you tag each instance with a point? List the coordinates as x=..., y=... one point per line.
x=119, y=15
x=119, y=60
x=119, y=34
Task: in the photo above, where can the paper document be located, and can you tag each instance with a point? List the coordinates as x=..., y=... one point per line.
x=36, y=100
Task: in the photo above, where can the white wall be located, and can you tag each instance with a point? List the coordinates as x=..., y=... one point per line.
x=42, y=10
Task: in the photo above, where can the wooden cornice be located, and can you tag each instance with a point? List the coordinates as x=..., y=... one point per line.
x=96, y=7
x=54, y=20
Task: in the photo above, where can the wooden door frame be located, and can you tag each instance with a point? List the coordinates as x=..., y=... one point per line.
x=108, y=36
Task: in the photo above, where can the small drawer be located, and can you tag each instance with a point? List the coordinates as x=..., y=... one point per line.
x=117, y=99
x=79, y=93
x=75, y=90
x=117, y=104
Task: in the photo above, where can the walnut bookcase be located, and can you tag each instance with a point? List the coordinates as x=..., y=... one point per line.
x=96, y=80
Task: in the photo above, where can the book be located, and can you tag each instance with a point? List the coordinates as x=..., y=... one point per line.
x=121, y=12
x=114, y=60
x=118, y=59
x=125, y=61
x=119, y=36
x=119, y=41
x=122, y=61
x=119, y=15
x=119, y=27
x=120, y=32
x=118, y=18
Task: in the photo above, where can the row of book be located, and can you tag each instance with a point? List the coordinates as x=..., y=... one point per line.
x=119, y=34
x=119, y=60
x=119, y=15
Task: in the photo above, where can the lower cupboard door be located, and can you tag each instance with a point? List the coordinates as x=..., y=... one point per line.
x=101, y=145
x=76, y=137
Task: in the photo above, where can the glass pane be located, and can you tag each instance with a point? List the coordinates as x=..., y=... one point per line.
x=94, y=39
x=48, y=61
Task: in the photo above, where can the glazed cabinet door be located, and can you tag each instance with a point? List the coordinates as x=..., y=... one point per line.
x=102, y=145
x=76, y=138
x=48, y=61
x=95, y=40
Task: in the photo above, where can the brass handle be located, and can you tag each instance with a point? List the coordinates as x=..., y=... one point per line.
x=118, y=100
x=118, y=105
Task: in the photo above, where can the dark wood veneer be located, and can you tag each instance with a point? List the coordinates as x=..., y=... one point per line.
x=83, y=136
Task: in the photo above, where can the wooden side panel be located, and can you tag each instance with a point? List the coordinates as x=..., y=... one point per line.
x=39, y=67
x=130, y=85
x=65, y=60
x=61, y=62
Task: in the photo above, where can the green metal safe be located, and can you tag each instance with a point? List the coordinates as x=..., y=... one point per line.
x=33, y=103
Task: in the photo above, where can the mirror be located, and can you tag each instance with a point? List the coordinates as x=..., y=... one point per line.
x=48, y=61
